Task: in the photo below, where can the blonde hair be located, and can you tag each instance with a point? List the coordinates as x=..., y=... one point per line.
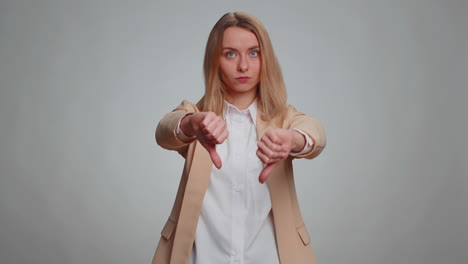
x=271, y=93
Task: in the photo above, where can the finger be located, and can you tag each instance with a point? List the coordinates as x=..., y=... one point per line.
x=275, y=141
x=266, y=172
x=271, y=154
x=263, y=157
x=217, y=131
x=223, y=136
x=208, y=121
x=266, y=159
x=273, y=137
x=274, y=146
x=265, y=150
x=214, y=129
x=214, y=156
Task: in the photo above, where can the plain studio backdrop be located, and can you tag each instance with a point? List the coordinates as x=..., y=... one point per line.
x=84, y=84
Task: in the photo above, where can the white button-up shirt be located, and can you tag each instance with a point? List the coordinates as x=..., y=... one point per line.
x=235, y=224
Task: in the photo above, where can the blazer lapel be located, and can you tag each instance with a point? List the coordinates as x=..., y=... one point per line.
x=197, y=183
x=278, y=186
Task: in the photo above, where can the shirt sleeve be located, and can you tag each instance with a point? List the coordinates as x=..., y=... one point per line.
x=308, y=146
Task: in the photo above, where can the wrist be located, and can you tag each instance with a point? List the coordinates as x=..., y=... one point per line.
x=298, y=141
x=186, y=125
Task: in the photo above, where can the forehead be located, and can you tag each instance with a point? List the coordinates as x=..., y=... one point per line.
x=239, y=38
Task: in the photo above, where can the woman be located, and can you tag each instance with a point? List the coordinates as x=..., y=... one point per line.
x=236, y=201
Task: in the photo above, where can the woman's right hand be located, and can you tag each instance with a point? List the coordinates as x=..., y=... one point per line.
x=209, y=130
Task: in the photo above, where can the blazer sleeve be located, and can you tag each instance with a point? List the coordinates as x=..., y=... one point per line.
x=308, y=125
x=166, y=130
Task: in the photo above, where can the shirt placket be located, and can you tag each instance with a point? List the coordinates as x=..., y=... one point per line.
x=237, y=190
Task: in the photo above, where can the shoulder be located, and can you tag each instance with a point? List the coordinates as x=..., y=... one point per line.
x=292, y=113
x=187, y=106
x=291, y=109
x=297, y=119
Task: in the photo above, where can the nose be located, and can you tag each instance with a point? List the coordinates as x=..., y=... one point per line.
x=243, y=65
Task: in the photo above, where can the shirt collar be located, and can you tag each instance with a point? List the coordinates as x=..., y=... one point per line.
x=252, y=109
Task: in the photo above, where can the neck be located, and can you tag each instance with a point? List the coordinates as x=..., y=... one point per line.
x=241, y=100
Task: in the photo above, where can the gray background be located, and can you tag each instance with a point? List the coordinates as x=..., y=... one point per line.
x=84, y=83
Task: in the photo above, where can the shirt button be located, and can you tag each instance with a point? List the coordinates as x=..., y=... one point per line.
x=238, y=188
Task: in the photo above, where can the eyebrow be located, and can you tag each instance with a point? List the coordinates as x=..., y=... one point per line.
x=251, y=48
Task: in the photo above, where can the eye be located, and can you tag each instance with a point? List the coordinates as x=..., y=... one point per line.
x=230, y=54
x=254, y=53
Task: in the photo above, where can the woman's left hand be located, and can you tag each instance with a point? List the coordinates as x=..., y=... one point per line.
x=275, y=146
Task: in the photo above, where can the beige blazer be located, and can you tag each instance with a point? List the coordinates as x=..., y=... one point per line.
x=178, y=234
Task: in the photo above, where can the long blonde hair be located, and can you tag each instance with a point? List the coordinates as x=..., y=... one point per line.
x=271, y=93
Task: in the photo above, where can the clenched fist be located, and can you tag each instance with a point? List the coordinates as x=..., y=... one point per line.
x=275, y=146
x=209, y=130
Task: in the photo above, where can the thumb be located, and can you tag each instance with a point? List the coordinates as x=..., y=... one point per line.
x=266, y=171
x=214, y=156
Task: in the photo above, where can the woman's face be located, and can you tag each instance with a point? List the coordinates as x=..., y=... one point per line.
x=240, y=62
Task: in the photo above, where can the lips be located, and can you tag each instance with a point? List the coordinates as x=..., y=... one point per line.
x=243, y=79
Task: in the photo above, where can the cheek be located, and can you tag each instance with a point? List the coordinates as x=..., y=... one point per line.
x=227, y=71
x=222, y=71
x=224, y=74
x=257, y=69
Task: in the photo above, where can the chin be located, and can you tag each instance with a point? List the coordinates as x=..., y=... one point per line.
x=243, y=90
